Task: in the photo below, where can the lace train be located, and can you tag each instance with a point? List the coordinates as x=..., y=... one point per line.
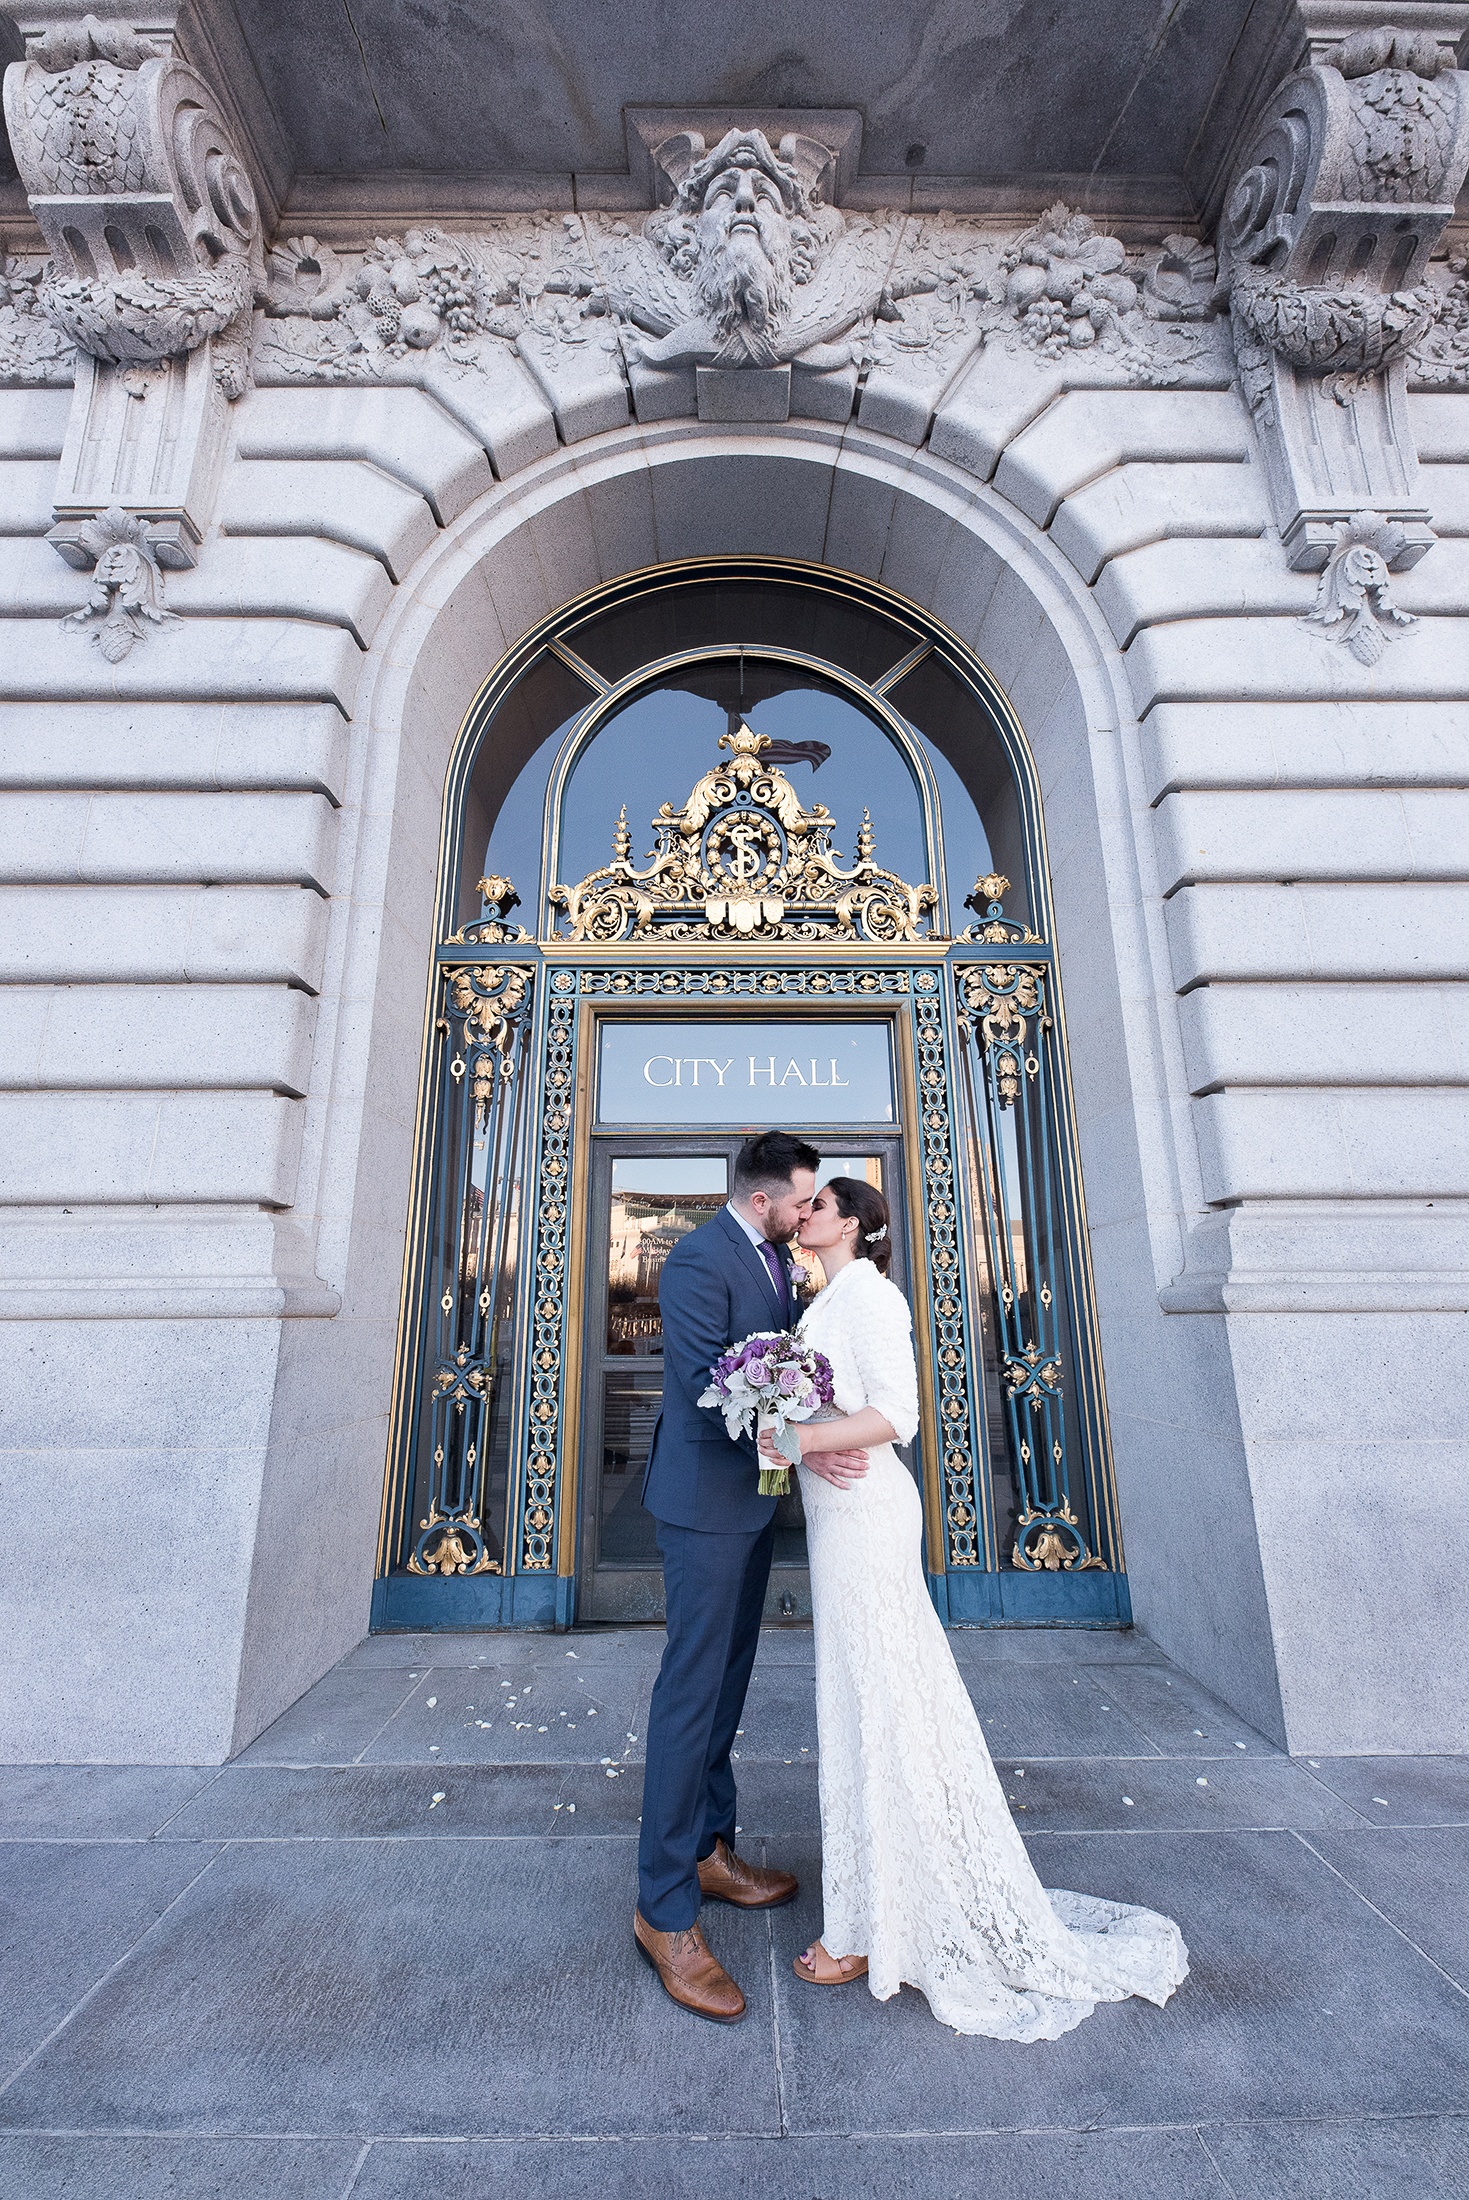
x=923, y=1867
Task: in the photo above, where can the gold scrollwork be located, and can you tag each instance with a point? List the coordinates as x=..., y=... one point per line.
x=1002, y=998
x=493, y=929
x=1053, y=1543
x=549, y=1308
x=742, y=860
x=490, y=998
x=987, y=901
x=961, y=1518
x=699, y=980
x=1032, y=1381
x=450, y=1552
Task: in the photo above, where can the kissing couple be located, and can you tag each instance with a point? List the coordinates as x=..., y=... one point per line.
x=925, y=1879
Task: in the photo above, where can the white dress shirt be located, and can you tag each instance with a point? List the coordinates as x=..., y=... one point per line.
x=758, y=1239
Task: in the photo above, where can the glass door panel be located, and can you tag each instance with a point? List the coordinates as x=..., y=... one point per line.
x=656, y=1199
x=646, y=1195
x=643, y=1203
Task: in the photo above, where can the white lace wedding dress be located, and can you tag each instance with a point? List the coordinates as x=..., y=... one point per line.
x=923, y=1869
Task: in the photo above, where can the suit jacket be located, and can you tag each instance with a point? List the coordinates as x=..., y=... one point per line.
x=715, y=1291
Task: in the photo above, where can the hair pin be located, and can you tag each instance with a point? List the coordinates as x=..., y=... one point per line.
x=874, y=1236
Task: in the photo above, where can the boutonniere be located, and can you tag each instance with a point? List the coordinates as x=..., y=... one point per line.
x=803, y=1283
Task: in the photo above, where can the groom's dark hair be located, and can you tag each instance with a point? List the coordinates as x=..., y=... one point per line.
x=765, y=1163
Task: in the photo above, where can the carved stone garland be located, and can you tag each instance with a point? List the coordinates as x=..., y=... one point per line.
x=746, y=294
x=743, y=858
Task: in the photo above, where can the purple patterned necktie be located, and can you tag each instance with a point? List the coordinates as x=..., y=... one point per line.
x=777, y=1276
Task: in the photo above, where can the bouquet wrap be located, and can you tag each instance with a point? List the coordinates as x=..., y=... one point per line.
x=773, y=1380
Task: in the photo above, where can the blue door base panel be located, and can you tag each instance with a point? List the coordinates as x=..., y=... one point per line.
x=404, y=1603
x=978, y=1599
x=408, y=1603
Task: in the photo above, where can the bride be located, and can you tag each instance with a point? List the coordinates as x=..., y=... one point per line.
x=925, y=1878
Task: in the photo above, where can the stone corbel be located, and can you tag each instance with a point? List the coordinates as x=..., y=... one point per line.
x=1344, y=187
x=145, y=202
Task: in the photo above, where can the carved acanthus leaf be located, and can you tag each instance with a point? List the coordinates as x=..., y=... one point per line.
x=32, y=349
x=1354, y=602
x=127, y=583
x=1345, y=335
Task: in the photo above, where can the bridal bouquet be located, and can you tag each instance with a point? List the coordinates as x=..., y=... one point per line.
x=771, y=1380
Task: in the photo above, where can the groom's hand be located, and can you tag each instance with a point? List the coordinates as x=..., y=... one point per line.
x=840, y=1468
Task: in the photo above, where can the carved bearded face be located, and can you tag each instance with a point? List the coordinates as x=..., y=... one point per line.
x=745, y=247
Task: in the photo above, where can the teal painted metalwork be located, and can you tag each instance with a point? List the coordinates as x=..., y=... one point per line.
x=1005, y=1016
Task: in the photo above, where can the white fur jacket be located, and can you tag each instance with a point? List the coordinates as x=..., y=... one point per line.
x=861, y=1322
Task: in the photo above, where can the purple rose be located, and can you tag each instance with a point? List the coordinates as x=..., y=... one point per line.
x=790, y=1380
x=756, y=1372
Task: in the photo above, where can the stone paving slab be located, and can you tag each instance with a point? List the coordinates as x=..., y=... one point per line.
x=1195, y=1795
x=1300, y=1999
x=334, y=1721
x=1044, y=1711
x=329, y=1988
x=74, y=2167
x=1417, y=1877
x=1399, y=1791
x=354, y=1963
x=94, y=1802
x=350, y=1802
x=556, y=1714
x=357, y=1802
x=487, y=1646
x=1041, y=2166
x=1379, y=2158
x=67, y=1915
x=1068, y=1646
x=1176, y=1714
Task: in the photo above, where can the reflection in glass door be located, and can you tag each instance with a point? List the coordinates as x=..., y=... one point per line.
x=642, y=1204
x=646, y=1195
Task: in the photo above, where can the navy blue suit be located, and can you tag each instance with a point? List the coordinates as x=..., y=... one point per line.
x=716, y=1533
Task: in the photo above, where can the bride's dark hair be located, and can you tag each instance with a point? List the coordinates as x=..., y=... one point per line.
x=856, y=1198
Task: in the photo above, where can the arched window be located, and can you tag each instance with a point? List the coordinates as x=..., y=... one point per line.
x=866, y=746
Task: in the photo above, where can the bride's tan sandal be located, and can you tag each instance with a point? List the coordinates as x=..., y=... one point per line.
x=826, y=1970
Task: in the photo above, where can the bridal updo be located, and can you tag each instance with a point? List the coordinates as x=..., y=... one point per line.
x=857, y=1199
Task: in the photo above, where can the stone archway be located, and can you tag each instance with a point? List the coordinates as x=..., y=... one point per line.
x=630, y=501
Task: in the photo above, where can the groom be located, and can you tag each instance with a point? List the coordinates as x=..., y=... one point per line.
x=716, y=1533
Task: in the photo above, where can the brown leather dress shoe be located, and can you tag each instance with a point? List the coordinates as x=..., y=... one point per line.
x=694, y=1978
x=725, y=1877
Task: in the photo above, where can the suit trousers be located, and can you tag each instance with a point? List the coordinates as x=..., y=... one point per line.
x=715, y=1591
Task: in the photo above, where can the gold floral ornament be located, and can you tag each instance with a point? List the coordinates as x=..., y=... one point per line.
x=1001, y=998
x=1043, y=1544
x=493, y=928
x=742, y=859
x=987, y=901
x=451, y=1544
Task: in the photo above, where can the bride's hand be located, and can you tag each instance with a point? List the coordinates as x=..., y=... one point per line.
x=769, y=1450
